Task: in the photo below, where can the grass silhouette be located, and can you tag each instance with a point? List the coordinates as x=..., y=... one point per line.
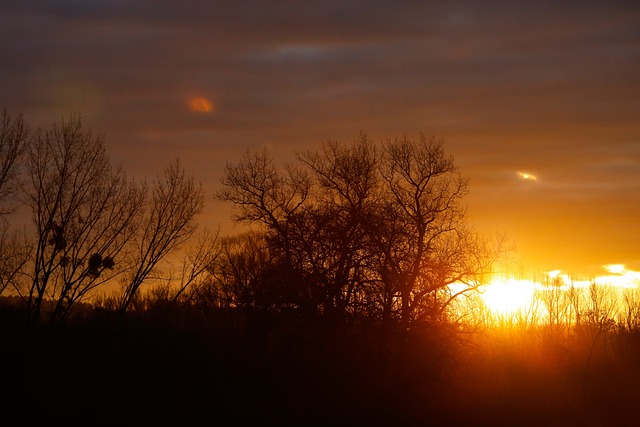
x=183, y=364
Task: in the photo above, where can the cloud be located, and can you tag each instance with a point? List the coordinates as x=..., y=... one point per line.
x=199, y=104
x=555, y=84
x=527, y=176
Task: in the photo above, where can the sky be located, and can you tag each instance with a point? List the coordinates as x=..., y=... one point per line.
x=538, y=102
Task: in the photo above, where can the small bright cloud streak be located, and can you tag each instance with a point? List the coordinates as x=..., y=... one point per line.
x=615, y=268
x=619, y=277
x=527, y=176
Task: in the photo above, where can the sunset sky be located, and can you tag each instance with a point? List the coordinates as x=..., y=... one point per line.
x=539, y=102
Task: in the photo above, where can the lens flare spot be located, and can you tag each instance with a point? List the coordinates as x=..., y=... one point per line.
x=201, y=105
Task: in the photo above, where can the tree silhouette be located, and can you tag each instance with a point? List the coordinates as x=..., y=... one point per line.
x=169, y=221
x=13, y=248
x=90, y=223
x=84, y=210
x=197, y=265
x=430, y=245
x=13, y=141
x=365, y=230
x=333, y=230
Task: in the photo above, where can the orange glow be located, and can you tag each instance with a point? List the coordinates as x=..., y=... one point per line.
x=201, y=105
x=511, y=298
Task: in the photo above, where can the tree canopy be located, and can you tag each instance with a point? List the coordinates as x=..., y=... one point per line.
x=364, y=229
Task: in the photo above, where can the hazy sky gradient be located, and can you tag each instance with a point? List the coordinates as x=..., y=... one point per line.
x=550, y=89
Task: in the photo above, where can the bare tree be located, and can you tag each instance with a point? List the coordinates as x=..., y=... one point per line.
x=15, y=252
x=432, y=246
x=240, y=270
x=264, y=194
x=376, y=232
x=13, y=249
x=275, y=199
x=84, y=212
x=333, y=233
x=13, y=141
x=630, y=316
x=175, y=201
x=197, y=264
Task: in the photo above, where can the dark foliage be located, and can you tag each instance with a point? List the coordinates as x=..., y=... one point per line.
x=194, y=366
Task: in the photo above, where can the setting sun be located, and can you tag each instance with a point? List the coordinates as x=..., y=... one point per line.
x=511, y=297
x=508, y=296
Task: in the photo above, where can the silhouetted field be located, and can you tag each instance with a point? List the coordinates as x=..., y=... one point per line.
x=186, y=365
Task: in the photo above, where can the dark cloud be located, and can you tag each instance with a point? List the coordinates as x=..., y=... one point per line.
x=547, y=87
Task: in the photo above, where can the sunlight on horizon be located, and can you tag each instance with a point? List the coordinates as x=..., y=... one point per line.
x=511, y=297
x=508, y=296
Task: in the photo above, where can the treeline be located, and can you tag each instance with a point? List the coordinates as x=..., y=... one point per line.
x=350, y=231
x=88, y=223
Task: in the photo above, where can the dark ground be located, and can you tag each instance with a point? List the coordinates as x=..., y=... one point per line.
x=194, y=368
